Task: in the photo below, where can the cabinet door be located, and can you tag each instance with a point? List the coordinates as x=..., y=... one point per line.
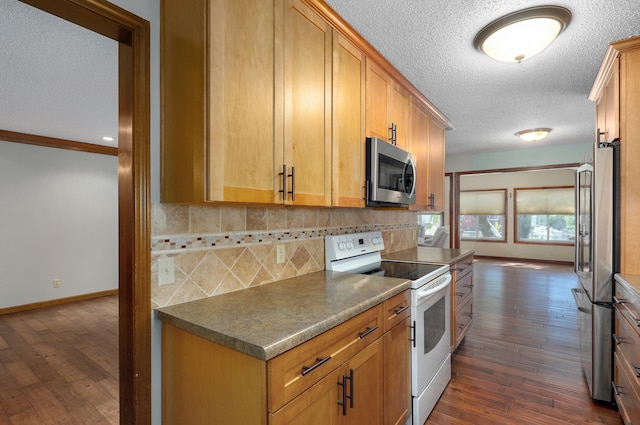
x=399, y=113
x=240, y=138
x=419, y=147
x=611, y=106
x=397, y=372
x=367, y=367
x=436, y=164
x=377, y=100
x=348, y=124
x=307, y=104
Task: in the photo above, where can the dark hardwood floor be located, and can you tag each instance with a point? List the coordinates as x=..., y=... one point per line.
x=59, y=364
x=519, y=363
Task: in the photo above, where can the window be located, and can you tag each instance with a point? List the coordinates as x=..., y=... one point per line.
x=428, y=223
x=545, y=215
x=482, y=215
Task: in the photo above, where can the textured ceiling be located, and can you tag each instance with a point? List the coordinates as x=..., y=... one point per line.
x=431, y=43
x=57, y=79
x=60, y=80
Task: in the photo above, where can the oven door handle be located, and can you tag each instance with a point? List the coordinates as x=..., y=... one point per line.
x=430, y=291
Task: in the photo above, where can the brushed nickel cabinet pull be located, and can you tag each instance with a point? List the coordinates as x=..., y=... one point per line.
x=401, y=309
x=284, y=182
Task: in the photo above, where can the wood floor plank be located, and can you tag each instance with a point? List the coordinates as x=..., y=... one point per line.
x=520, y=361
x=59, y=364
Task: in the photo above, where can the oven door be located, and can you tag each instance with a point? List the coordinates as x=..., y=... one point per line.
x=430, y=313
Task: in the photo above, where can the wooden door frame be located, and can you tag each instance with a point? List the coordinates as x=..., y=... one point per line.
x=134, y=246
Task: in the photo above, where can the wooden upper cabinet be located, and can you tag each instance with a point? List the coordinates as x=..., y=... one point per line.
x=348, y=123
x=307, y=41
x=426, y=143
x=217, y=60
x=436, y=164
x=399, y=113
x=387, y=106
x=419, y=147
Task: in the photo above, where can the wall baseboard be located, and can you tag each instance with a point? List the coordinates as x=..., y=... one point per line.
x=42, y=304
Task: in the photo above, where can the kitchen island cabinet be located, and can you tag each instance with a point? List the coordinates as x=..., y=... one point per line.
x=301, y=351
x=626, y=378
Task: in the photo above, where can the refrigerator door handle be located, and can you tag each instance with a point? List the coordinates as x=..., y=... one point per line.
x=581, y=309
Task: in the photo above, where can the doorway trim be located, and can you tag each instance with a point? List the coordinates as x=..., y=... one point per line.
x=133, y=37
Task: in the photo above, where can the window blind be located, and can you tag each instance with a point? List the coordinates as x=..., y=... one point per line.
x=545, y=201
x=483, y=202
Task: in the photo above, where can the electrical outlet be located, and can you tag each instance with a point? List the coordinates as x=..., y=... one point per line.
x=56, y=283
x=280, y=254
x=166, y=271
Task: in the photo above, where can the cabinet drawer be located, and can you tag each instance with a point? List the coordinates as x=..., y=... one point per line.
x=463, y=289
x=464, y=317
x=629, y=305
x=293, y=371
x=396, y=309
x=626, y=392
x=627, y=342
x=462, y=267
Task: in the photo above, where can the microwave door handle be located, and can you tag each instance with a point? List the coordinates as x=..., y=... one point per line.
x=413, y=170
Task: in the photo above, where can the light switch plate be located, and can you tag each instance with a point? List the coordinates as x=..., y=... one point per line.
x=166, y=271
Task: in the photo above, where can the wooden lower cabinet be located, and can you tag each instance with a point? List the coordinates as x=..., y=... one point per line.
x=461, y=299
x=357, y=383
x=626, y=378
x=363, y=362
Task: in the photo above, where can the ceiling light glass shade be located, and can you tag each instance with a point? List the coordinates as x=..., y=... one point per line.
x=523, y=34
x=533, y=135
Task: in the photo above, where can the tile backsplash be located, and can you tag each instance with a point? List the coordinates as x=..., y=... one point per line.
x=219, y=249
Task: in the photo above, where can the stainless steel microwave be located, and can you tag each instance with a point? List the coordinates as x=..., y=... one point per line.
x=390, y=174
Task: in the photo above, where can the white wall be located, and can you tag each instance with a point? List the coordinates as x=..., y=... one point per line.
x=58, y=219
x=509, y=181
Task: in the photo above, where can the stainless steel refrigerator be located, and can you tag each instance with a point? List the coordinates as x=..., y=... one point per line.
x=597, y=260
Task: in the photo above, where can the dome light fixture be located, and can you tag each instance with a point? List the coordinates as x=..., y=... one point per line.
x=523, y=34
x=534, y=134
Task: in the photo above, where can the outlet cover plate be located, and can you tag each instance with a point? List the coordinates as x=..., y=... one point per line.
x=166, y=271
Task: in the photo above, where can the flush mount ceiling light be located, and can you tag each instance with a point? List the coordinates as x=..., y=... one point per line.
x=522, y=34
x=533, y=135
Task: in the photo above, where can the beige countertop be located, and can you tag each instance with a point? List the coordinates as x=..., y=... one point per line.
x=632, y=281
x=267, y=320
x=423, y=254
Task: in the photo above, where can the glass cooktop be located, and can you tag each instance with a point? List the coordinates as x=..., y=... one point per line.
x=411, y=271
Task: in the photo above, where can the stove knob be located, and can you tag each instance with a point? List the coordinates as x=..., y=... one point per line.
x=349, y=245
x=340, y=246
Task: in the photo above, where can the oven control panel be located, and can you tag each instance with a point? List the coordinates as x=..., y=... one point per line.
x=339, y=247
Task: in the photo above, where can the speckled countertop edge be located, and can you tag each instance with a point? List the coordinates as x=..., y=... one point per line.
x=429, y=255
x=267, y=320
x=632, y=281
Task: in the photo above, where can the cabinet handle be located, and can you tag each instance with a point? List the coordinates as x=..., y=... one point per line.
x=432, y=201
x=616, y=339
x=413, y=332
x=350, y=396
x=367, y=332
x=284, y=182
x=616, y=390
x=401, y=309
x=343, y=403
x=635, y=319
x=460, y=294
x=470, y=315
x=319, y=362
x=393, y=134
x=636, y=369
x=293, y=183
x=617, y=300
